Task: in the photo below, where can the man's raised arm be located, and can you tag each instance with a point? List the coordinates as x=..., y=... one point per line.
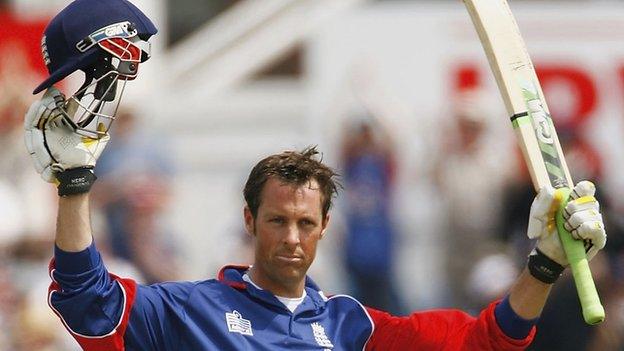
x=548, y=260
x=509, y=323
x=65, y=158
x=528, y=296
x=95, y=306
x=73, y=226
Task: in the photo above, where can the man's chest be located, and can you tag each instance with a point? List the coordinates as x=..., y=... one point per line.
x=246, y=324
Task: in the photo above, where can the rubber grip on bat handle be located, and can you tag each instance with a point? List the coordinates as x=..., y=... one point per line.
x=593, y=312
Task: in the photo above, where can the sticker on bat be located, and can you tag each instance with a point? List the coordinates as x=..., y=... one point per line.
x=541, y=122
x=539, y=117
x=545, y=134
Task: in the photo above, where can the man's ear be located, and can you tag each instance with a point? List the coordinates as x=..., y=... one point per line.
x=325, y=225
x=249, y=221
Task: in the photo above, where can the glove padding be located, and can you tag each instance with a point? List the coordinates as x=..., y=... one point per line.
x=53, y=143
x=582, y=219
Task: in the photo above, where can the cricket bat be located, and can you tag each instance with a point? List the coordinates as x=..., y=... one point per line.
x=530, y=117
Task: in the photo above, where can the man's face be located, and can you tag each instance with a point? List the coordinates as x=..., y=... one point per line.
x=287, y=228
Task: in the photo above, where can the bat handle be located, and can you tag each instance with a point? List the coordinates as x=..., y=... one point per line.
x=593, y=312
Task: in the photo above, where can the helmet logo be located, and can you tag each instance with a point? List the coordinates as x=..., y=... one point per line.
x=116, y=30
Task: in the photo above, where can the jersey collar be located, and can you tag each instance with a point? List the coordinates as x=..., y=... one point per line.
x=232, y=275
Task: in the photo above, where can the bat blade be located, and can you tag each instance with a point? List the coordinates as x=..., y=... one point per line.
x=525, y=103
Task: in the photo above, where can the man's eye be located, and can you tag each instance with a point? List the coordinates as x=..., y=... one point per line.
x=276, y=220
x=307, y=222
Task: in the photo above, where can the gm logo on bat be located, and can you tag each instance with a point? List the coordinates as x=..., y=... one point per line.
x=540, y=121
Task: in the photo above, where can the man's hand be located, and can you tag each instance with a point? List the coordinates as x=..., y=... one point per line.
x=582, y=219
x=59, y=154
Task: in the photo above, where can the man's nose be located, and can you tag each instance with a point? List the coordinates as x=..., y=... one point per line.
x=292, y=235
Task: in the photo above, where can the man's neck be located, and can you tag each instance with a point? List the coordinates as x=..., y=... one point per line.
x=276, y=288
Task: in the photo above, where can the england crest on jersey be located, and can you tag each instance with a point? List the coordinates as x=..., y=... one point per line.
x=237, y=324
x=320, y=336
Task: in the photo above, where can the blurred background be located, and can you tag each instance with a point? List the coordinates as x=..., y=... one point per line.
x=398, y=96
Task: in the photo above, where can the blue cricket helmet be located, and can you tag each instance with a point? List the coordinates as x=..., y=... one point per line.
x=69, y=41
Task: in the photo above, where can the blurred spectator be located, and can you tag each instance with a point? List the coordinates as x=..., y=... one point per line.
x=34, y=325
x=16, y=172
x=16, y=81
x=470, y=174
x=369, y=167
x=26, y=214
x=26, y=320
x=133, y=192
x=610, y=334
x=8, y=299
x=491, y=278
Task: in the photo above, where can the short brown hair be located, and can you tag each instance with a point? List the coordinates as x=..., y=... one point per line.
x=292, y=167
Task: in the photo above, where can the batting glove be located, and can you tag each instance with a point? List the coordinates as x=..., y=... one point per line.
x=59, y=154
x=582, y=219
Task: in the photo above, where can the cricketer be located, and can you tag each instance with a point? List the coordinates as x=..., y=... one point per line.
x=272, y=304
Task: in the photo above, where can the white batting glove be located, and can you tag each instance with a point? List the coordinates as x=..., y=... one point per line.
x=582, y=219
x=55, y=147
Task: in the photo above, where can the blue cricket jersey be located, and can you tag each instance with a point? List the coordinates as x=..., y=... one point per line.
x=104, y=312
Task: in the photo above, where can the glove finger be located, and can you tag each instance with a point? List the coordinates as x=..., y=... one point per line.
x=600, y=243
x=28, y=141
x=600, y=237
x=59, y=100
x=53, y=100
x=42, y=109
x=543, y=202
x=593, y=231
x=41, y=162
x=53, y=123
x=591, y=253
x=579, y=218
x=581, y=204
x=33, y=115
x=65, y=124
x=540, y=209
x=57, y=167
x=36, y=148
x=535, y=228
x=54, y=119
x=105, y=138
x=52, y=94
x=39, y=167
x=583, y=188
x=97, y=149
x=48, y=174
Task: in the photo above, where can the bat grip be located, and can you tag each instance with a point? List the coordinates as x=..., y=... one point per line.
x=593, y=312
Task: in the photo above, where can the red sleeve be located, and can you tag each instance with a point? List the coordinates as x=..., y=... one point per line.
x=112, y=341
x=442, y=330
